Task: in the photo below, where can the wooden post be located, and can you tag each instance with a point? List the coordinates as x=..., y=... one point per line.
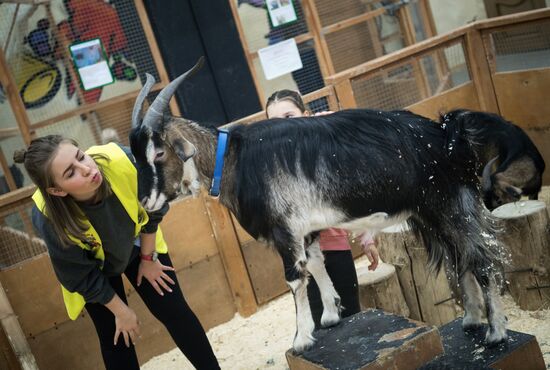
x=391, y=244
x=247, y=53
x=7, y=173
x=59, y=37
x=480, y=71
x=14, y=333
x=321, y=47
x=420, y=74
x=232, y=258
x=16, y=103
x=155, y=52
x=427, y=294
x=526, y=234
x=345, y=95
x=427, y=17
x=381, y=289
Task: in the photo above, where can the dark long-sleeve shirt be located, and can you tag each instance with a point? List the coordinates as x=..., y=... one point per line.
x=76, y=268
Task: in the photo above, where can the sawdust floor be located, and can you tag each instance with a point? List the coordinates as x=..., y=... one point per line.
x=261, y=340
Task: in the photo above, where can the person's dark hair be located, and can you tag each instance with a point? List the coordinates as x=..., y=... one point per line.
x=63, y=212
x=289, y=95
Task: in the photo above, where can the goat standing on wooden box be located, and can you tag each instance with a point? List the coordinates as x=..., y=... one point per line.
x=285, y=179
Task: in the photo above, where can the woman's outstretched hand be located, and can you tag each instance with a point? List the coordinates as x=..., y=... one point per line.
x=127, y=324
x=154, y=272
x=126, y=321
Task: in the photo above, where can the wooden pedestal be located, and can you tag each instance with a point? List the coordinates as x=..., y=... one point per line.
x=464, y=351
x=380, y=289
x=371, y=340
x=428, y=295
x=525, y=233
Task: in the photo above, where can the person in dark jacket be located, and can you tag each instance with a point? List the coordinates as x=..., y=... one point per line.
x=88, y=213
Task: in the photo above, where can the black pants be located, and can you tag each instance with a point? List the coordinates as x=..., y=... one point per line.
x=171, y=309
x=341, y=269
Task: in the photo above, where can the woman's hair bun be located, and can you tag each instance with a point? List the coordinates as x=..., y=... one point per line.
x=19, y=155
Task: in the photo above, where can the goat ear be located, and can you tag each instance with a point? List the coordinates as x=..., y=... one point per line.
x=183, y=148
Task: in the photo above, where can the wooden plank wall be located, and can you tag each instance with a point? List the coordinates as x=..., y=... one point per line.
x=522, y=98
x=463, y=96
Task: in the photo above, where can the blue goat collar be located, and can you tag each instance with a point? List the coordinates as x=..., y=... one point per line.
x=223, y=139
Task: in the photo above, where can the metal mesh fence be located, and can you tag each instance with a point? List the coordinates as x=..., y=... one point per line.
x=54, y=81
x=522, y=47
x=85, y=93
x=364, y=41
x=259, y=36
x=331, y=13
x=416, y=79
x=347, y=40
x=318, y=105
x=17, y=239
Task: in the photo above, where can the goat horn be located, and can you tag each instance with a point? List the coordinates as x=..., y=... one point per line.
x=141, y=98
x=486, y=175
x=160, y=104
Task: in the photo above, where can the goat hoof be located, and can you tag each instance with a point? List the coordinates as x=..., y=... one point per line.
x=302, y=344
x=329, y=319
x=472, y=322
x=471, y=327
x=495, y=337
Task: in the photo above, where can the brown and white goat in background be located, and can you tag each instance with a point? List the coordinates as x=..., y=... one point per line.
x=357, y=169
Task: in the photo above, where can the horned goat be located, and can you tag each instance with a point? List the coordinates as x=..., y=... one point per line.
x=356, y=169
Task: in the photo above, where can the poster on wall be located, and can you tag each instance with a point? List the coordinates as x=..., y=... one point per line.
x=91, y=63
x=280, y=59
x=281, y=12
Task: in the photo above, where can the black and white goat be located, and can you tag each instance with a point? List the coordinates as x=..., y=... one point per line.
x=357, y=169
x=501, y=144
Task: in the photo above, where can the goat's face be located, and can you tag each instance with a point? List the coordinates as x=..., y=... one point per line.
x=504, y=193
x=496, y=188
x=164, y=158
x=165, y=165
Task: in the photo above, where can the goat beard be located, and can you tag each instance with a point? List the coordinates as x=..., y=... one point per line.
x=194, y=188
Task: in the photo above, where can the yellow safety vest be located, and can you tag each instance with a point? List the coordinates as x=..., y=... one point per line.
x=122, y=177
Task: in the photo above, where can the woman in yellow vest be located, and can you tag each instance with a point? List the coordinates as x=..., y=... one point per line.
x=88, y=213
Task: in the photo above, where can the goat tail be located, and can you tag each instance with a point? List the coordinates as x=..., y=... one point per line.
x=466, y=240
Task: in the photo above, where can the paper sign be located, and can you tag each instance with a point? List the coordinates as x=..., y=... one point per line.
x=281, y=12
x=280, y=59
x=91, y=63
